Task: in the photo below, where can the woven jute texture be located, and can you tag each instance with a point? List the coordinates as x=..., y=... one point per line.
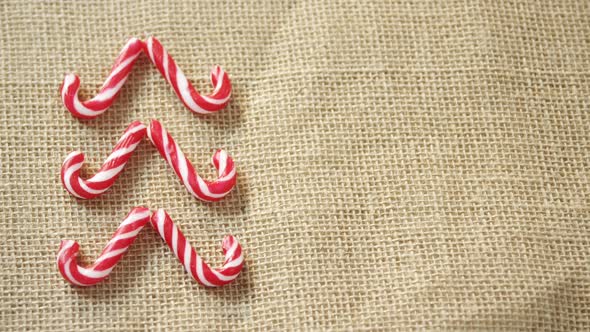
x=402, y=165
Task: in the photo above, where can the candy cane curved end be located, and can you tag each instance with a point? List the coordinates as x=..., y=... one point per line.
x=191, y=98
x=193, y=264
x=114, y=250
x=205, y=190
x=110, y=89
x=110, y=170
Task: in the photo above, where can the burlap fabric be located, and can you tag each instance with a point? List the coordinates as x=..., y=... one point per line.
x=402, y=166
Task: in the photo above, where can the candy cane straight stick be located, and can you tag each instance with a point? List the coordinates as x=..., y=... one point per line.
x=192, y=262
x=110, y=170
x=110, y=256
x=194, y=101
x=202, y=189
x=110, y=89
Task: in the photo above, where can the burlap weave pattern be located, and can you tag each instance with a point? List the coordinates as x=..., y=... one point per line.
x=402, y=165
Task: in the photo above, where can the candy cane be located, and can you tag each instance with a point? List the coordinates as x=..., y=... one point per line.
x=110, y=89
x=202, y=189
x=192, y=262
x=110, y=170
x=194, y=101
x=110, y=256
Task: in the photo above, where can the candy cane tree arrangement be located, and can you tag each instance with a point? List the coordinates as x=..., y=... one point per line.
x=114, y=165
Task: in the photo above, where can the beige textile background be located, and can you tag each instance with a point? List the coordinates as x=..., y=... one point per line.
x=403, y=165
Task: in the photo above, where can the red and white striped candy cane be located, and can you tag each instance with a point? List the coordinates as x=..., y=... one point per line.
x=110, y=170
x=194, y=101
x=110, y=256
x=205, y=190
x=110, y=89
x=192, y=262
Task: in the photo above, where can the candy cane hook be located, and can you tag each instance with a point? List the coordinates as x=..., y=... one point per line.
x=94, y=107
x=110, y=170
x=192, y=262
x=194, y=101
x=110, y=256
x=201, y=189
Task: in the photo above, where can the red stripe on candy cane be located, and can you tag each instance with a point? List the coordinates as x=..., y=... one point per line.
x=120, y=70
x=197, y=186
x=110, y=256
x=192, y=262
x=110, y=170
x=191, y=98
